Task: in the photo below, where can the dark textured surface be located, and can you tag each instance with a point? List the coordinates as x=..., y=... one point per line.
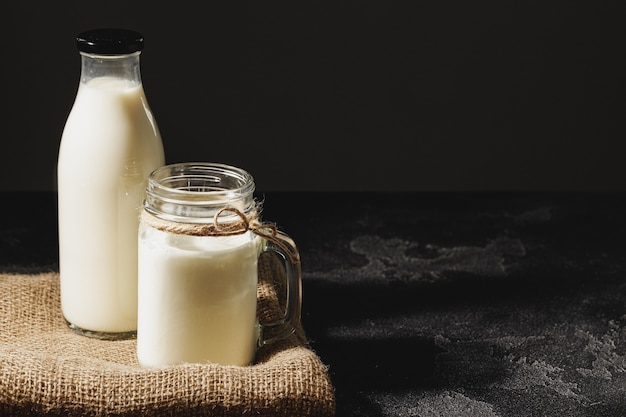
x=485, y=305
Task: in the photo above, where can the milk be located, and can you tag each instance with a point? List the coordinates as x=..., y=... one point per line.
x=197, y=298
x=109, y=146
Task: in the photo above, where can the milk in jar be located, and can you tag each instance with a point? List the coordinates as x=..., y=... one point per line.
x=198, y=298
x=109, y=146
x=200, y=243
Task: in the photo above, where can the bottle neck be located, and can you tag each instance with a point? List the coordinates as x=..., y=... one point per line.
x=125, y=67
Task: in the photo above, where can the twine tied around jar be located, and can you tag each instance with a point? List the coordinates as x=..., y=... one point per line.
x=251, y=223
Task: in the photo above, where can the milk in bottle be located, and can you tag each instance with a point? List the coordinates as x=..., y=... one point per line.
x=109, y=146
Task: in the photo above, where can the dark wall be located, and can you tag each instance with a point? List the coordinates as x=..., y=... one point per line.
x=334, y=95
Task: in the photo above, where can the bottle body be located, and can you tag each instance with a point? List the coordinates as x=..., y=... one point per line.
x=109, y=146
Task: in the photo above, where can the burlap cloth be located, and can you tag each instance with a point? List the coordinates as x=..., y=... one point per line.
x=47, y=369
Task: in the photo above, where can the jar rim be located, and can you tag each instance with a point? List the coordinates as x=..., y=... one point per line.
x=196, y=191
x=207, y=171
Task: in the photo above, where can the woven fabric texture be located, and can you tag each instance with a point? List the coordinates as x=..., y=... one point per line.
x=47, y=369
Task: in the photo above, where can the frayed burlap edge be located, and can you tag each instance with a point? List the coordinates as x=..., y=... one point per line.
x=46, y=369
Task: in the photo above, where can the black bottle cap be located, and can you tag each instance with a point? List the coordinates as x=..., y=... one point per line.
x=108, y=41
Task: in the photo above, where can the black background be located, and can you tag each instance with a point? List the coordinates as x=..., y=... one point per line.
x=343, y=96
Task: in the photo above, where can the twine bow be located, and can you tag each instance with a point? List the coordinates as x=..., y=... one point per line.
x=251, y=223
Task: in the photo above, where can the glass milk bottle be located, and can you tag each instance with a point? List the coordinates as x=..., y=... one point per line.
x=109, y=146
x=200, y=239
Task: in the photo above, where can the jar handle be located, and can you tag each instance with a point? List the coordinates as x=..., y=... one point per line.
x=286, y=249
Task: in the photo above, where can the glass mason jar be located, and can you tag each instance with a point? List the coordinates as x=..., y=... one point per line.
x=200, y=239
x=110, y=144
